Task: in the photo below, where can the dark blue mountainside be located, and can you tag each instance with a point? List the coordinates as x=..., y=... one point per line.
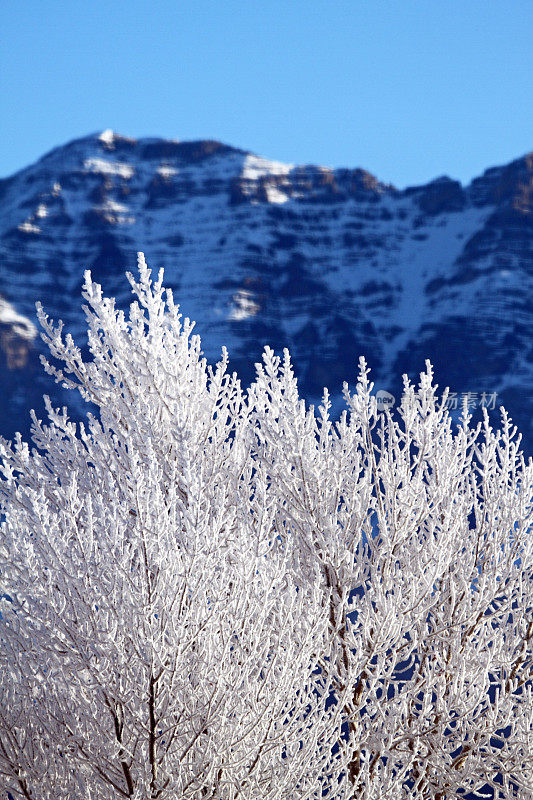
x=329, y=262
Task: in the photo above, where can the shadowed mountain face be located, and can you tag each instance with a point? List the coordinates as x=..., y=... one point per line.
x=332, y=264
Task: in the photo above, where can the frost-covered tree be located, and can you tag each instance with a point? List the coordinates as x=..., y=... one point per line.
x=216, y=594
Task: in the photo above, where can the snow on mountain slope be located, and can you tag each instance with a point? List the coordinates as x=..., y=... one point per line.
x=331, y=263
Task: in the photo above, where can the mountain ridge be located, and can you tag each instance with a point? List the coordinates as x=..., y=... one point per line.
x=332, y=263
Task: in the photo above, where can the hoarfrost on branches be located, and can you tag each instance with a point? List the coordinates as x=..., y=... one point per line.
x=216, y=594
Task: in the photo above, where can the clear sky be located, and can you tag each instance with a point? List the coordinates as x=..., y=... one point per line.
x=408, y=89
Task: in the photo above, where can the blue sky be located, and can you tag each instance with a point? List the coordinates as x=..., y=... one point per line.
x=407, y=89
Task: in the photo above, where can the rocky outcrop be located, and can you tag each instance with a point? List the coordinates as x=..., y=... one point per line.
x=440, y=196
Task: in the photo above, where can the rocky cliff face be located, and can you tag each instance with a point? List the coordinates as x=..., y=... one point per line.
x=330, y=263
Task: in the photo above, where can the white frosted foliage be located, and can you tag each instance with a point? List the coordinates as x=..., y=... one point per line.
x=216, y=594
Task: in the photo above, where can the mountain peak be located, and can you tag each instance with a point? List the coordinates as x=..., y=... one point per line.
x=153, y=148
x=110, y=139
x=511, y=183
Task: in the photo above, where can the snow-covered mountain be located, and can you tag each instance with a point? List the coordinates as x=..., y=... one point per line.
x=328, y=262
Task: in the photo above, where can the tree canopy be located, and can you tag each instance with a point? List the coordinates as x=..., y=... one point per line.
x=213, y=593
